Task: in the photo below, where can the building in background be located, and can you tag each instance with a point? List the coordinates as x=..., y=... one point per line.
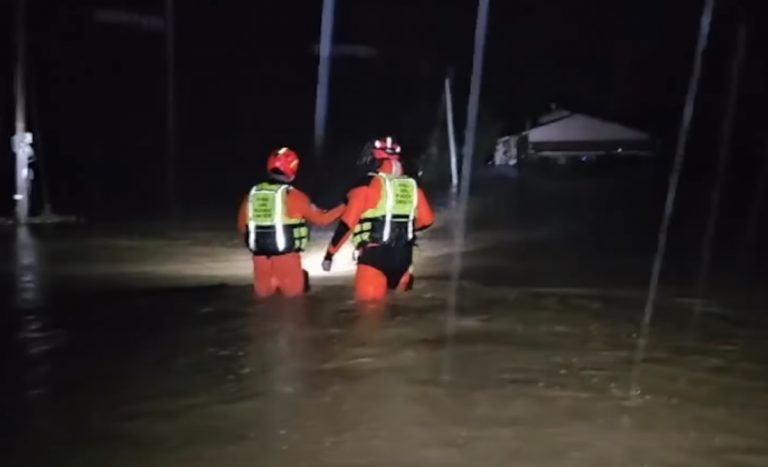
x=564, y=137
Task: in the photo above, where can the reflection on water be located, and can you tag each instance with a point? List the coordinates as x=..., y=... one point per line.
x=29, y=290
x=371, y=317
x=287, y=347
x=203, y=375
x=36, y=337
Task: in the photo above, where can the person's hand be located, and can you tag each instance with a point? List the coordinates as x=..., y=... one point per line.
x=327, y=262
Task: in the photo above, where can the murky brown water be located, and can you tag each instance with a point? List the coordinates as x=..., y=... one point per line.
x=147, y=349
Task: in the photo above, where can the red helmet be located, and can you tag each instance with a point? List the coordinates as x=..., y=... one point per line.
x=386, y=148
x=283, y=163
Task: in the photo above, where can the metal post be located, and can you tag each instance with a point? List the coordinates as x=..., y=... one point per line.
x=474, y=98
x=170, y=110
x=725, y=145
x=21, y=139
x=669, y=207
x=323, y=75
x=451, y=134
x=466, y=173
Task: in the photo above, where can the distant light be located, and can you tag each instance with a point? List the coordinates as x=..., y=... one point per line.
x=18, y=197
x=620, y=150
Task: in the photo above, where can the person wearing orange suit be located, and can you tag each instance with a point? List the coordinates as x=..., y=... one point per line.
x=383, y=213
x=273, y=221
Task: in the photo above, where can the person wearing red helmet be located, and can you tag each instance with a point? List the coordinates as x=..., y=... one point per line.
x=383, y=213
x=273, y=221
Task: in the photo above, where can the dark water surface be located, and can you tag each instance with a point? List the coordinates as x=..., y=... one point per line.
x=141, y=345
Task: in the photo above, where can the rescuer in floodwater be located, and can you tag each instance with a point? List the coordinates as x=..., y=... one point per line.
x=384, y=212
x=273, y=220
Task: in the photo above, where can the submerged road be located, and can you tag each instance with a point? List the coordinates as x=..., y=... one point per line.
x=128, y=346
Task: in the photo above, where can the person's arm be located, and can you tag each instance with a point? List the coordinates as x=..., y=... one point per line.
x=357, y=203
x=328, y=217
x=300, y=206
x=242, y=217
x=425, y=216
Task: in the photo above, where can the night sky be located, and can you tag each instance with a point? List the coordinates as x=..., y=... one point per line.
x=246, y=78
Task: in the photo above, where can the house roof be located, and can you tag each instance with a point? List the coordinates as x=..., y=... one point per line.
x=580, y=127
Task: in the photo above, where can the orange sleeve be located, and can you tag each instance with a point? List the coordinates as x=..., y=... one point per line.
x=242, y=217
x=425, y=216
x=357, y=204
x=334, y=214
x=358, y=201
x=299, y=206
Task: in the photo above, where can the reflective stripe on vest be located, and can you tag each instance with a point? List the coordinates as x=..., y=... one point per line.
x=266, y=207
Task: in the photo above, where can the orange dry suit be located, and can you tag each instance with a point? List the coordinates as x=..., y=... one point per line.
x=273, y=221
x=382, y=216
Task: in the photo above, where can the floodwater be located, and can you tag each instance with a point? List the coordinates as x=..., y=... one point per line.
x=141, y=345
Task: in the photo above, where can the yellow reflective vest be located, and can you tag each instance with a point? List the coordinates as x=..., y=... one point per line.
x=392, y=220
x=270, y=230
